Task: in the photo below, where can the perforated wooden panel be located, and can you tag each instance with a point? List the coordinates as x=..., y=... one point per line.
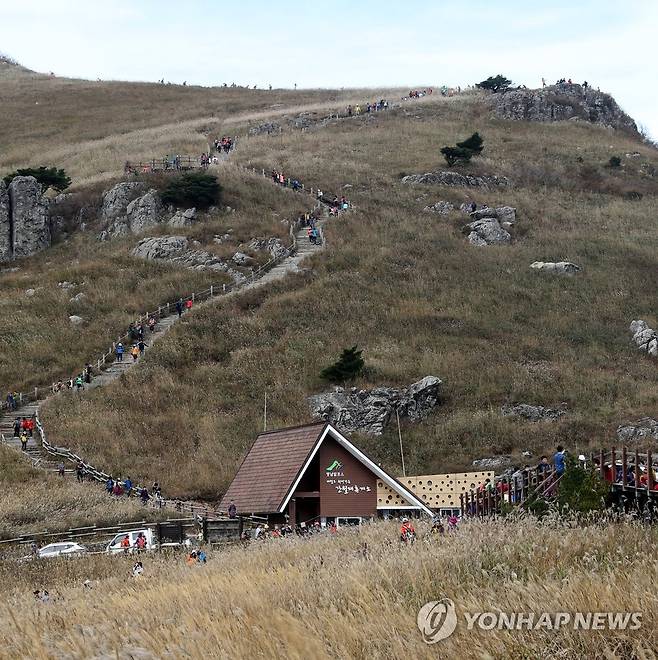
x=436, y=490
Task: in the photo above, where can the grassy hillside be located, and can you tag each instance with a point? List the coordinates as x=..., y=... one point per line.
x=408, y=288
x=34, y=501
x=355, y=594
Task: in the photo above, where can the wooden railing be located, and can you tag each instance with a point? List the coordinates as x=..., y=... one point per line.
x=633, y=472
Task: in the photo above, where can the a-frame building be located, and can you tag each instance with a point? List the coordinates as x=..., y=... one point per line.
x=310, y=474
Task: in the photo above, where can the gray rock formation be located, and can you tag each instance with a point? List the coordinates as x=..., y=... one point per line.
x=532, y=413
x=645, y=429
x=487, y=232
x=242, y=259
x=441, y=207
x=504, y=214
x=457, y=179
x=160, y=247
x=75, y=319
x=645, y=338
x=492, y=463
x=265, y=128
x=175, y=250
x=144, y=212
x=116, y=200
x=369, y=411
x=559, y=267
x=6, y=252
x=561, y=102
x=182, y=218
x=30, y=222
x=274, y=246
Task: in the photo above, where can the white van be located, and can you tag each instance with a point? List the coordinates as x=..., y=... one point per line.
x=117, y=545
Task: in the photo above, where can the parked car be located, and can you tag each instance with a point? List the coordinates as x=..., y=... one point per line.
x=118, y=544
x=60, y=549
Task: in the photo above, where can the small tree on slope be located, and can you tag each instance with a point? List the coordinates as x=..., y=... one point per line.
x=48, y=177
x=463, y=151
x=348, y=366
x=497, y=83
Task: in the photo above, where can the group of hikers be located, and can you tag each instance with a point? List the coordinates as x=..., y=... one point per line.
x=24, y=429
x=118, y=488
x=566, y=81
x=223, y=144
x=374, y=106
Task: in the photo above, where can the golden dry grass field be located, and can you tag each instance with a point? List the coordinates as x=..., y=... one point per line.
x=355, y=594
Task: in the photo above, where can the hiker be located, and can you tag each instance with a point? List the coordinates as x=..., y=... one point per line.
x=11, y=402
x=141, y=346
x=191, y=558
x=119, y=352
x=80, y=472
x=17, y=427
x=140, y=543
x=232, y=510
x=138, y=569
x=125, y=544
x=24, y=441
x=543, y=468
x=79, y=383
x=201, y=557
x=559, y=461
x=88, y=373
x=109, y=485
x=61, y=469
x=30, y=424
x=134, y=351
x=127, y=485
x=152, y=323
x=188, y=305
x=144, y=496
x=407, y=532
x=452, y=523
x=437, y=526
x=179, y=307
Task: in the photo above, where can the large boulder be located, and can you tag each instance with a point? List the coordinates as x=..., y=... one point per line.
x=501, y=213
x=160, y=247
x=561, y=102
x=645, y=429
x=116, y=200
x=145, y=212
x=494, y=463
x=274, y=246
x=559, y=267
x=645, y=338
x=369, y=411
x=487, y=232
x=29, y=216
x=183, y=218
x=456, y=179
x=6, y=251
x=532, y=413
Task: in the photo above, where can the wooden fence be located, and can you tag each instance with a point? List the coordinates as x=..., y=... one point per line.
x=629, y=472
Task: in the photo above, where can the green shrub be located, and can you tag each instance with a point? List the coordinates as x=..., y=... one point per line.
x=615, y=161
x=193, y=189
x=48, y=177
x=581, y=489
x=463, y=151
x=497, y=83
x=348, y=366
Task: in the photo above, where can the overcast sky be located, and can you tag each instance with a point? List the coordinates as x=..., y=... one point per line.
x=345, y=43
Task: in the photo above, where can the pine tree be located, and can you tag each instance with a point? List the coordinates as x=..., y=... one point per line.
x=463, y=151
x=497, y=83
x=348, y=366
x=48, y=177
x=473, y=144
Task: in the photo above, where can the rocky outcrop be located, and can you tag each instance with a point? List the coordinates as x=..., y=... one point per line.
x=457, y=179
x=6, y=251
x=492, y=463
x=145, y=212
x=441, y=207
x=369, y=411
x=558, y=268
x=274, y=246
x=175, y=250
x=265, y=128
x=638, y=432
x=242, y=259
x=182, y=218
x=504, y=214
x=116, y=200
x=30, y=223
x=559, y=103
x=532, y=413
x=487, y=232
x=645, y=338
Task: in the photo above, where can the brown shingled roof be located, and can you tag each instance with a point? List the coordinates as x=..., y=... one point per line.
x=273, y=462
